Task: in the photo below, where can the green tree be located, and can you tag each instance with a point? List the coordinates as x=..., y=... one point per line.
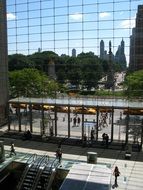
x=91, y=69
x=18, y=62
x=134, y=84
x=41, y=59
x=31, y=83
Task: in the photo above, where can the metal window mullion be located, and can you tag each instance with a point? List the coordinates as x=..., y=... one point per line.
x=28, y=26
x=68, y=24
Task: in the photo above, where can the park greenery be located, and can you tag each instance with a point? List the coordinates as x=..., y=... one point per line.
x=134, y=84
x=29, y=77
x=30, y=82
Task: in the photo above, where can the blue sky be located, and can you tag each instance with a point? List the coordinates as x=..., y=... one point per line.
x=63, y=25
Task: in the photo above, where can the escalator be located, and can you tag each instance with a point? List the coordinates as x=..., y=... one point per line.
x=38, y=174
x=30, y=177
x=31, y=172
x=47, y=176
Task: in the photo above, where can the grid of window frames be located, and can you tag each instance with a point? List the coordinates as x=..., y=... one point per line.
x=70, y=27
x=60, y=26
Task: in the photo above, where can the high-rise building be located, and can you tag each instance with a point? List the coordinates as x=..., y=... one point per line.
x=73, y=52
x=102, y=51
x=3, y=62
x=120, y=57
x=136, y=42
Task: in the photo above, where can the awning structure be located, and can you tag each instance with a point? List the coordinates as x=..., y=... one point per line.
x=84, y=101
x=83, y=176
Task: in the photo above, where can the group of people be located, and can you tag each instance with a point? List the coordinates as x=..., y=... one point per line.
x=92, y=133
x=27, y=135
x=76, y=121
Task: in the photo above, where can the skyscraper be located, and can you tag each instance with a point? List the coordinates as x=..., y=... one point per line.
x=3, y=62
x=136, y=42
x=102, y=51
x=120, y=57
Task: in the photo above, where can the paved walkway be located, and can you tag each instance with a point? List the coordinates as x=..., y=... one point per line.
x=131, y=177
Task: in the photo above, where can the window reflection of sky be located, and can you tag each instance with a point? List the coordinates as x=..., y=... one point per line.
x=102, y=20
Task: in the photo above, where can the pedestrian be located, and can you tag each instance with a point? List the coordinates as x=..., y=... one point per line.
x=84, y=140
x=92, y=134
x=12, y=150
x=74, y=122
x=103, y=138
x=51, y=131
x=107, y=140
x=116, y=173
x=59, y=154
x=78, y=121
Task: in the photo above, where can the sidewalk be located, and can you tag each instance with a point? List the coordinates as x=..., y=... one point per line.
x=131, y=170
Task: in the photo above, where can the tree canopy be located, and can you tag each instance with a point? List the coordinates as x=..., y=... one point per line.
x=85, y=70
x=134, y=84
x=31, y=83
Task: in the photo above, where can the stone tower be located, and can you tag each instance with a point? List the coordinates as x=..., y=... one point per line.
x=51, y=69
x=73, y=52
x=3, y=63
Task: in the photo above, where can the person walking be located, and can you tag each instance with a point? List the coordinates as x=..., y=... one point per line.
x=92, y=135
x=59, y=154
x=116, y=173
x=78, y=121
x=12, y=150
x=84, y=140
x=107, y=140
x=103, y=138
x=74, y=122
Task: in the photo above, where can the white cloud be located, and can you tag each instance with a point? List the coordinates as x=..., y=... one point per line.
x=11, y=16
x=121, y=13
x=104, y=14
x=76, y=16
x=129, y=23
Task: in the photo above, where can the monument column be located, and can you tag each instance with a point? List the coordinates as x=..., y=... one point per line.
x=3, y=63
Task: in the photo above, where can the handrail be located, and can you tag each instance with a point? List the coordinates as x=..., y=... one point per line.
x=33, y=157
x=38, y=161
x=23, y=177
x=36, y=164
x=54, y=163
x=42, y=161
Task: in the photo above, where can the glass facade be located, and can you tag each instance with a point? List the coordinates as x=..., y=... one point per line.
x=50, y=25
x=69, y=28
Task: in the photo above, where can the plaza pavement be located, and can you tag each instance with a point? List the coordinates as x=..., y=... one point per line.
x=131, y=177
